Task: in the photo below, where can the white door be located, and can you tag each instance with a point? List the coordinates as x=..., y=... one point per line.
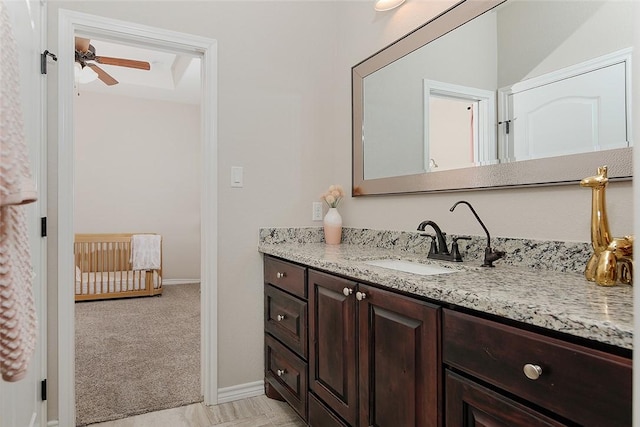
x=20, y=402
x=579, y=114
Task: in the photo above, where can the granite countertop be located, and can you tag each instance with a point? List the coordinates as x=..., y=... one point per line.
x=559, y=301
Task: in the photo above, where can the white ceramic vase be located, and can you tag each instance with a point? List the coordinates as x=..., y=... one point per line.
x=332, y=227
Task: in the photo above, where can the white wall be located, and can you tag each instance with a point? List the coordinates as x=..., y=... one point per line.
x=285, y=115
x=137, y=169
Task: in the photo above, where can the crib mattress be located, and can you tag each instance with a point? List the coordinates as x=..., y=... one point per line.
x=113, y=281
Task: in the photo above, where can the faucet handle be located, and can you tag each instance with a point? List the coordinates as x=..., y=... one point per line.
x=433, y=249
x=455, y=250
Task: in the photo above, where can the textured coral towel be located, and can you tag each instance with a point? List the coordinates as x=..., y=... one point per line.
x=17, y=309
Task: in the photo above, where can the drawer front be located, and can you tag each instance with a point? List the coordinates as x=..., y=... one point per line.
x=321, y=416
x=287, y=373
x=285, y=275
x=285, y=317
x=469, y=404
x=587, y=386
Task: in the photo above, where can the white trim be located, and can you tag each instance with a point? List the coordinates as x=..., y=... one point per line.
x=172, y=282
x=68, y=23
x=209, y=225
x=53, y=423
x=241, y=391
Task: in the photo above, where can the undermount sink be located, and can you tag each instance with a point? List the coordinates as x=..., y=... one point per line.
x=410, y=267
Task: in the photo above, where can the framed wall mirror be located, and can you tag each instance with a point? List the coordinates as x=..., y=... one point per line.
x=495, y=93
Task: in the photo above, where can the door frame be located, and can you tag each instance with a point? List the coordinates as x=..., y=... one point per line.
x=68, y=23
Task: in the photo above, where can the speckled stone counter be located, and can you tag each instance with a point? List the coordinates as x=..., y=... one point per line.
x=556, y=300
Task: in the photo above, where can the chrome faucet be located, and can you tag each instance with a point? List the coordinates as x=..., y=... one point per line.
x=439, y=250
x=489, y=254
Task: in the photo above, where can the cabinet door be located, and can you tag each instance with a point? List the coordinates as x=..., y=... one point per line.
x=470, y=405
x=332, y=346
x=399, y=361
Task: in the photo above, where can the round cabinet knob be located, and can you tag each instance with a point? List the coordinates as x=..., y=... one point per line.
x=532, y=371
x=347, y=291
x=280, y=275
x=281, y=372
x=280, y=317
x=360, y=296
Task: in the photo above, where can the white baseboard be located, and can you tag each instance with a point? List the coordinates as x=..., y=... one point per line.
x=53, y=423
x=169, y=282
x=241, y=391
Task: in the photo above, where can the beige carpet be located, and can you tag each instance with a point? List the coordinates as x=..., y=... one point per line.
x=137, y=355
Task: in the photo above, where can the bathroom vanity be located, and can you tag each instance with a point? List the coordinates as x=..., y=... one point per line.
x=352, y=344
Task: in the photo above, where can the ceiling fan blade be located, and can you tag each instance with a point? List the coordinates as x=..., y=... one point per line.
x=141, y=65
x=103, y=75
x=82, y=44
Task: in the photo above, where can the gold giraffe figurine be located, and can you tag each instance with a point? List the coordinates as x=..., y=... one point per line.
x=612, y=258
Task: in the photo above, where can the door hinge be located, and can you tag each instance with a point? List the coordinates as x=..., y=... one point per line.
x=43, y=60
x=43, y=390
x=43, y=226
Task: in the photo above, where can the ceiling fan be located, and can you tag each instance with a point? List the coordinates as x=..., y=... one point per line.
x=86, y=57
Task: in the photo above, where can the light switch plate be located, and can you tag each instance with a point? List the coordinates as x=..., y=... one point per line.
x=236, y=176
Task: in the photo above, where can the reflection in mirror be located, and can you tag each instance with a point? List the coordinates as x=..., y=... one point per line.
x=524, y=81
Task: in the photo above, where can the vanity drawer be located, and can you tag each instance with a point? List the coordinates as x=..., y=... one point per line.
x=285, y=275
x=285, y=317
x=570, y=378
x=287, y=373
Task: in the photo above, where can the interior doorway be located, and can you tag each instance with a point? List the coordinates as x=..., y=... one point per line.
x=70, y=23
x=137, y=169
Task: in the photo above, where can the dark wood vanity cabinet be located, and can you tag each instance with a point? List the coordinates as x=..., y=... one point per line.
x=399, y=360
x=345, y=354
x=333, y=346
x=373, y=355
x=569, y=382
x=285, y=323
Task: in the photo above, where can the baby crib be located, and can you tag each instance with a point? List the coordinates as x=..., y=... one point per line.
x=103, y=269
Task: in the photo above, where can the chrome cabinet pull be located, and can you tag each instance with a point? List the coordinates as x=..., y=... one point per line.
x=281, y=275
x=347, y=291
x=280, y=317
x=281, y=372
x=532, y=371
x=360, y=296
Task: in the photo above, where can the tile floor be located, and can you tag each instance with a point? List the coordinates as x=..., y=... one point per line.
x=257, y=411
